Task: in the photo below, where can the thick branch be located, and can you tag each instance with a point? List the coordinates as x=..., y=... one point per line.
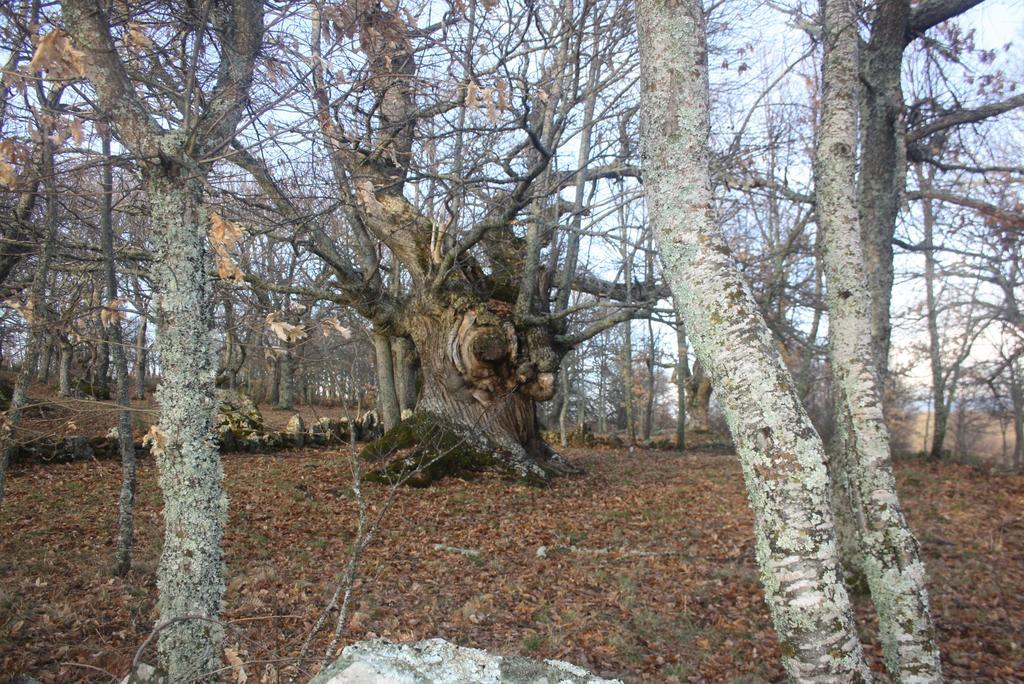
x=934, y=12
x=964, y=116
x=89, y=27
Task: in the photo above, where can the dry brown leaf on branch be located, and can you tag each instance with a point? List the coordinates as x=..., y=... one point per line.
x=336, y=324
x=57, y=57
x=8, y=176
x=136, y=38
x=472, y=94
x=285, y=330
x=156, y=440
x=224, y=235
x=77, y=131
x=112, y=312
x=10, y=152
x=235, y=661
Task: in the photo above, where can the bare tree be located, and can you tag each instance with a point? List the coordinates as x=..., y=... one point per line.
x=175, y=157
x=862, y=464
x=783, y=458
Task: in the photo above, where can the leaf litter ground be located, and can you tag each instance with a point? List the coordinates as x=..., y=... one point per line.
x=641, y=569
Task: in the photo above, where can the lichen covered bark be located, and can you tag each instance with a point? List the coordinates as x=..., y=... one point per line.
x=191, y=573
x=888, y=551
x=782, y=457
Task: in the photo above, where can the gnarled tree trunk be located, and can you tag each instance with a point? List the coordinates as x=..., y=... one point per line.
x=475, y=373
x=485, y=376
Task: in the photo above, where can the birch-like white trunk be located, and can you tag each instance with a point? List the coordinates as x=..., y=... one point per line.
x=191, y=573
x=782, y=456
x=888, y=551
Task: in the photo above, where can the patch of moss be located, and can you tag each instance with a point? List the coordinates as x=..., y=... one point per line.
x=99, y=391
x=436, y=447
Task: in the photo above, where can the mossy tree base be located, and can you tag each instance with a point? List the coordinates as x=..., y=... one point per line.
x=427, y=447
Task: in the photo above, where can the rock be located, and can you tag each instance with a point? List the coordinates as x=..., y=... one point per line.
x=105, y=447
x=75, y=448
x=436, y=661
x=369, y=426
x=99, y=391
x=145, y=674
x=296, y=430
x=6, y=392
x=329, y=431
x=237, y=420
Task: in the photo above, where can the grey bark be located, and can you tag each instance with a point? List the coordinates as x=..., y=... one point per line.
x=698, y=402
x=10, y=422
x=67, y=353
x=883, y=171
x=45, y=359
x=682, y=371
x=563, y=408
x=940, y=406
x=191, y=573
x=651, y=381
x=783, y=458
x=1017, y=401
x=888, y=551
x=141, y=352
x=387, y=395
x=125, y=443
x=406, y=370
x=190, y=578
x=286, y=378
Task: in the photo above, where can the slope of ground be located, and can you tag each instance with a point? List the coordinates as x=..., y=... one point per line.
x=643, y=568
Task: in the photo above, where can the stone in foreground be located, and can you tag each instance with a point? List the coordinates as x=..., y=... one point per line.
x=436, y=661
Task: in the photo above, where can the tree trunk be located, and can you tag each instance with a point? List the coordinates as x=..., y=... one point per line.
x=888, y=551
x=682, y=371
x=485, y=377
x=140, y=356
x=45, y=358
x=651, y=382
x=125, y=442
x=387, y=395
x=67, y=353
x=783, y=458
x=1017, y=399
x=698, y=403
x=882, y=171
x=273, y=393
x=627, y=381
x=286, y=378
x=940, y=403
x=602, y=393
x=191, y=573
x=102, y=368
x=563, y=409
x=10, y=422
x=406, y=369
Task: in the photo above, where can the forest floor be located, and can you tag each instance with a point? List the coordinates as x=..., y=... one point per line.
x=642, y=568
